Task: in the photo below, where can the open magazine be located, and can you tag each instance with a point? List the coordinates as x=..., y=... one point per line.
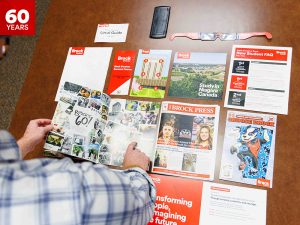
x=129, y=120
x=88, y=124
x=248, y=150
x=186, y=140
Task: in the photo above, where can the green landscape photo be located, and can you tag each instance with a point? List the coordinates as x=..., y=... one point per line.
x=201, y=76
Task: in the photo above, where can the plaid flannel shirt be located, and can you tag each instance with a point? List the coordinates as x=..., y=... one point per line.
x=51, y=191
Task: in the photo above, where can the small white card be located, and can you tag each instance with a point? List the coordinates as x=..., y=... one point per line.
x=111, y=32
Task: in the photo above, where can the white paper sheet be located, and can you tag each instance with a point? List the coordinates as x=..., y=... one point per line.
x=259, y=78
x=226, y=204
x=86, y=66
x=111, y=32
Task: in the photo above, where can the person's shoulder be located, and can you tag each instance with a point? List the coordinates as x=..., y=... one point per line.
x=9, y=150
x=6, y=137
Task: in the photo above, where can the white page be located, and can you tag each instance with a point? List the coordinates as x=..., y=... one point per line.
x=259, y=78
x=111, y=32
x=87, y=67
x=232, y=205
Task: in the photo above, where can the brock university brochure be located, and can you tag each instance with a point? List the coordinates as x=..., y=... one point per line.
x=183, y=201
x=85, y=66
x=151, y=73
x=198, y=75
x=259, y=78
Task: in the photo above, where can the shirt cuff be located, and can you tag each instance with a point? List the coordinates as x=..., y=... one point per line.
x=9, y=149
x=152, y=186
x=143, y=172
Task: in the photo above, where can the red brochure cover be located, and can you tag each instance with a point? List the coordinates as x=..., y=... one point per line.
x=121, y=72
x=178, y=200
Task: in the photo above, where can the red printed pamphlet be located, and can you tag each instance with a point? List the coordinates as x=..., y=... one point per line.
x=183, y=201
x=178, y=200
x=121, y=74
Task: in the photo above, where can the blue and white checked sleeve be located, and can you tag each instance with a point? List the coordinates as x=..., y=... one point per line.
x=9, y=150
x=50, y=191
x=125, y=197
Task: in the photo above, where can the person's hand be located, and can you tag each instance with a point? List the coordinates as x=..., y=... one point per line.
x=35, y=132
x=135, y=158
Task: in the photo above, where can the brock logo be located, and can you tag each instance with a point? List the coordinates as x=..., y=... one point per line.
x=145, y=51
x=124, y=58
x=77, y=51
x=156, y=180
x=184, y=55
